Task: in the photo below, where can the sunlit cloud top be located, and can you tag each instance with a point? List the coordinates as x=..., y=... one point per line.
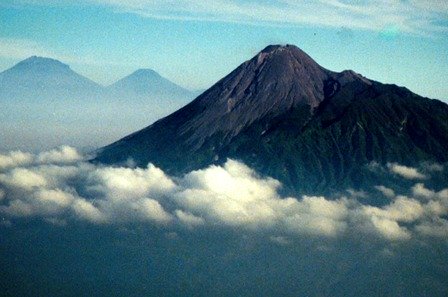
x=60, y=188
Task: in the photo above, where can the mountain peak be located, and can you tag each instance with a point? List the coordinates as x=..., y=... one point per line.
x=280, y=47
x=145, y=72
x=287, y=55
x=147, y=82
x=275, y=80
x=273, y=47
x=144, y=75
x=44, y=63
x=41, y=77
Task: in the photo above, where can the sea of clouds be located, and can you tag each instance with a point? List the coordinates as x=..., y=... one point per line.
x=60, y=187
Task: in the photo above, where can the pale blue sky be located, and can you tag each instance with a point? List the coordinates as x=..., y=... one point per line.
x=194, y=43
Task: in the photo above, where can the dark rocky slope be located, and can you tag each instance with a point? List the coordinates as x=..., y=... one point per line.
x=286, y=116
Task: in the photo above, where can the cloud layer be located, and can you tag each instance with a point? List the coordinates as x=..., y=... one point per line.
x=59, y=187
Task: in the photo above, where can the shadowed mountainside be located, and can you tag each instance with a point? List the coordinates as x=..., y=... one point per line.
x=286, y=116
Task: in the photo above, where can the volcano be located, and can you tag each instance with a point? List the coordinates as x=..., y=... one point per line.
x=39, y=78
x=147, y=83
x=288, y=117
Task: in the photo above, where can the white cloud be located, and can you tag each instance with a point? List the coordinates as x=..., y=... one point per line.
x=86, y=210
x=153, y=211
x=390, y=229
x=64, y=154
x=124, y=183
x=402, y=209
x=405, y=171
x=443, y=194
x=316, y=216
x=14, y=159
x=57, y=187
x=232, y=195
x=357, y=194
x=437, y=228
x=390, y=193
x=22, y=178
x=189, y=219
x=51, y=202
x=420, y=191
x=17, y=208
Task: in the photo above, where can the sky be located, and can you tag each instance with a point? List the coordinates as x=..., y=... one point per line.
x=195, y=43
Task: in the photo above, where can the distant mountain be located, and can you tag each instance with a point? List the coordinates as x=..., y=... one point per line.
x=48, y=104
x=286, y=116
x=148, y=83
x=37, y=78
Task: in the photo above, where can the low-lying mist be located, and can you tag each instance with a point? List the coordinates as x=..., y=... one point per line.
x=45, y=123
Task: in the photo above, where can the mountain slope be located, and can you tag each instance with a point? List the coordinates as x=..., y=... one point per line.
x=290, y=118
x=148, y=83
x=38, y=77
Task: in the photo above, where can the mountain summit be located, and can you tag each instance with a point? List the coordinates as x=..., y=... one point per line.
x=37, y=78
x=286, y=116
x=41, y=64
x=147, y=82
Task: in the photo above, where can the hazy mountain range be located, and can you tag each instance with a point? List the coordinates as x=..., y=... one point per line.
x=55, y=105
x=39, y=77
x=281, y=113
